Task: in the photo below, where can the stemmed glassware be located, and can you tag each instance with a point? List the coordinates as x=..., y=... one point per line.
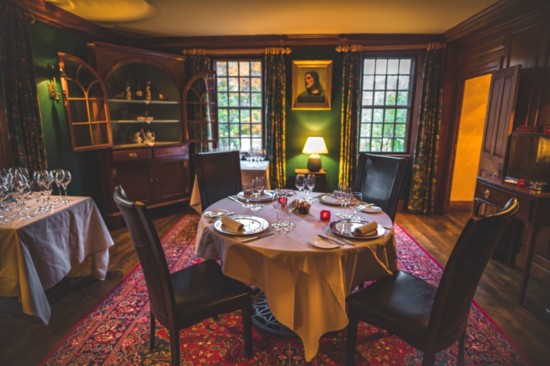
x=44, y=180
x=284, y=225
x=343, y=194
x=309, y=185
x=247, y=193
x=258, y=186
x=62, y=179
x=300, y=182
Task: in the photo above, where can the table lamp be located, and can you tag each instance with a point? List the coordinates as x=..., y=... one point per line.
x=314, y=146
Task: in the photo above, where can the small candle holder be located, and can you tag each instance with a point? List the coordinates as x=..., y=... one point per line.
x=522, y=182
x=325, y=215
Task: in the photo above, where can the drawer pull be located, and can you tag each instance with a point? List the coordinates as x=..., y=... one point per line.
x=487, y=194
x=132, y=155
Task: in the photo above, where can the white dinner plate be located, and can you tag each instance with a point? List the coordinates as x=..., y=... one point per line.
x=329, y=199
x=266, y=196
x=371, y=209
x=252, y=225
x=344, y=228
x=214, y=214
x=323, y=244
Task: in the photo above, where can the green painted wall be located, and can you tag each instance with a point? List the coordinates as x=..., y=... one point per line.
x=46, y=41
x=325, y=123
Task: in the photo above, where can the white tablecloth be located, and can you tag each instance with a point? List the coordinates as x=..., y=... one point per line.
x=37, y=253
x=305, y=287
x=248, y=171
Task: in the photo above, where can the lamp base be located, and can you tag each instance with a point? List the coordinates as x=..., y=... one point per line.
x=314, y=163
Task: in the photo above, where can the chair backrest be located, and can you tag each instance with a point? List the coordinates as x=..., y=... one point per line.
x=379, y=178
x=463, y=271
x=150, y=253
x=218, y=175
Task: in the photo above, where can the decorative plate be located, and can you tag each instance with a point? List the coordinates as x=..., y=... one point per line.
x=252, y=225
x=344, y=228
x=329, y=199
x=266, y=196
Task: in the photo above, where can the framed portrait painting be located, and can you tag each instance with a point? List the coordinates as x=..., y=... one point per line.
x=311, y=84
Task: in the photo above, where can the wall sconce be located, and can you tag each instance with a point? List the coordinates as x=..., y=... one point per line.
x=314, y=146
x=52, y=89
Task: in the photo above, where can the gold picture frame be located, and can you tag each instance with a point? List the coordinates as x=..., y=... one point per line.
x=318, y=75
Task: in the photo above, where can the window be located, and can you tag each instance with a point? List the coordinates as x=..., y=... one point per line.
x=386, y=105
x=240, y=98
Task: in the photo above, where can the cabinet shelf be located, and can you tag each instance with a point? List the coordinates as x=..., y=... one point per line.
x=157, y=143
x=132, y=121
x=132, y=101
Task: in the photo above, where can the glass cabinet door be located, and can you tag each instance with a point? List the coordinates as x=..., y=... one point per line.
x=200, y=111
x=144, y=102
x=84, y=97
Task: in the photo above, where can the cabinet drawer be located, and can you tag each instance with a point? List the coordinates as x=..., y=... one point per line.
x=130, y=155
x=499, y=198
x=161, y=152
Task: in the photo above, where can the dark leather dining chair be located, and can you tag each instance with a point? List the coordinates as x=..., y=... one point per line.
x=379, y=178
x=427, y=317
x=218, y=175
x=188, y=296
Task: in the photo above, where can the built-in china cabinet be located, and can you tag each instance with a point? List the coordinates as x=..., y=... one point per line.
x=127, y=104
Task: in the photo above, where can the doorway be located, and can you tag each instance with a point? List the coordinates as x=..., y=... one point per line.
x=470, y=137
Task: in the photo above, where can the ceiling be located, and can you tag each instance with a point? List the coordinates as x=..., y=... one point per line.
x=186, y=18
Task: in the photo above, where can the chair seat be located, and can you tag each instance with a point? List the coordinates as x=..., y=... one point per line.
x=400, y=303
x=202, y=290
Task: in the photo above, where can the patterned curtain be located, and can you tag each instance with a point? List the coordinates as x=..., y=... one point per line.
x=197, y=61
x=25, y=131
x=351, y=82
x=423, y=182
x=275, y=97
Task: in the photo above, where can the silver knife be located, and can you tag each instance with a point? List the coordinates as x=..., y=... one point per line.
x=234, y=199
x=256, y=237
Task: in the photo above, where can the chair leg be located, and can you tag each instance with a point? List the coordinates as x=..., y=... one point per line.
x=428, y=359
x=246, y=314
x=152, y=331
x=461, y=348
x=174, y=347
x=352, y=339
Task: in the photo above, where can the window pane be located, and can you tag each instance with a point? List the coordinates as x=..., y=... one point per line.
x=386, y=85
x=240, y=97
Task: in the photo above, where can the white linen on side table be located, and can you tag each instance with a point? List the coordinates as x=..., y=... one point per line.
x=37, y=253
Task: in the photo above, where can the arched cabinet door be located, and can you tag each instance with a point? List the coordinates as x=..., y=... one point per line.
x=200, y=111
x=85, y=100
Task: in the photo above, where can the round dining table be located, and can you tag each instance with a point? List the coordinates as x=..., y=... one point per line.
x=305, y=285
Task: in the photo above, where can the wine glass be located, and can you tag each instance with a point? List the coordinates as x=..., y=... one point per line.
x=67, y=178
x=343, y=195
x=300, y=182
x=247, y=193
x=58, y=176
x=310, y=184
x=257, y=190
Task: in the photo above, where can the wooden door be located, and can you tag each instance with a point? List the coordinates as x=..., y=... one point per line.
x=499, y=122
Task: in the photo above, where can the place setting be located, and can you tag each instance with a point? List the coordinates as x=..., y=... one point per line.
x=338, y=233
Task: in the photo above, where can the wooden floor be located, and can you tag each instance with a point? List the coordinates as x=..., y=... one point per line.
x=25, y=341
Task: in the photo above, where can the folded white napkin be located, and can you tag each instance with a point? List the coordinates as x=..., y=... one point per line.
x=232, y=225
x=367, y=229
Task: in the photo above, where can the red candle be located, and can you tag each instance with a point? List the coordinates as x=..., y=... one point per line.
x=522, y=182
x=325, y=215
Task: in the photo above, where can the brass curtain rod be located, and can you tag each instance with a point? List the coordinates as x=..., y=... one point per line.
x=237, y=52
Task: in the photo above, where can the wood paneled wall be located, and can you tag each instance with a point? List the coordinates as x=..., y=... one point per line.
x=510, y=33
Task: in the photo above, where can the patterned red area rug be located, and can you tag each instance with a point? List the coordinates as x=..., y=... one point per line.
x=117, y=331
